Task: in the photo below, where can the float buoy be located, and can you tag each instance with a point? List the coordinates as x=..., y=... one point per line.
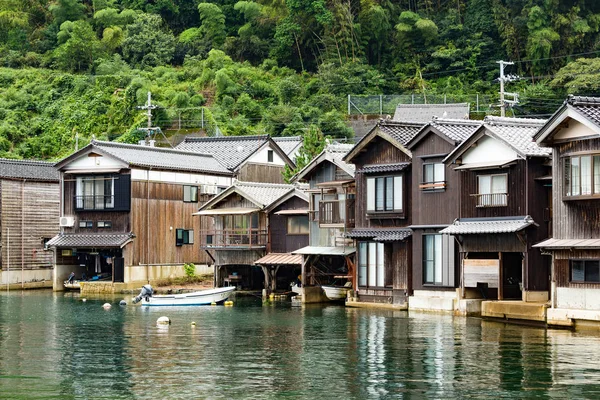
x=229, y=303
x=213, y=304
x=163, y=321
x=106, y=306
x=84, y=300
x=193, y=324
x=122, y=303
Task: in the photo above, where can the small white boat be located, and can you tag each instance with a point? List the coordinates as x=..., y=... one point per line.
x=72, y=285
x=200, y=298
x=336, y=293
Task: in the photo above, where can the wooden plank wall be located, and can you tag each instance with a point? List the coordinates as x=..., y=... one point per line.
x=401, y=260
x=253, y=172
x=562, y=268
x=165, y=210
x=281, y=242
x=31, y=211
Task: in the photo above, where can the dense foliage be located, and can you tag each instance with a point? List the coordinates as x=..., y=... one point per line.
x=73, y=67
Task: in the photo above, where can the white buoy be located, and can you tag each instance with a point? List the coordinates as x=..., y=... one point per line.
x=163, y=321
x=106, y=306
x=193, y=324
x=84, y=300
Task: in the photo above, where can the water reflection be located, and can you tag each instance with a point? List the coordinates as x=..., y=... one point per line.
x=52, y=345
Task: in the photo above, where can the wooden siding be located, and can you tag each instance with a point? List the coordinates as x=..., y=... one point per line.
x=562, y=268
x=31, y=211
x=280, y=241
x=253, y=172
x=324, y=172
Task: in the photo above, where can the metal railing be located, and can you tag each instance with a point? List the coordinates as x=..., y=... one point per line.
x=333, y=212
x=491, y=199
x=234, y=238
x=94, y=202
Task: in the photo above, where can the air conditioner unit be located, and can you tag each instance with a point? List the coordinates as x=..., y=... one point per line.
x=208, y=189
x=67, y=222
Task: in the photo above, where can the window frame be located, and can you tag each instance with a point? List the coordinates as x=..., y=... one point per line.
x=372, y=184
x=190, y=194
x=86, y=224
x=108, y=186
x=290, y=218
x=435, y=185
x=184, y=236
x=585, y=273
x=104, y=224
x=365, y=272
x=436, y=264
x=270, y=156
x=567, y=177
x=491, y=203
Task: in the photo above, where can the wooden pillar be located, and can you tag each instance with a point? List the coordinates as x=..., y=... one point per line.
x=267, y=277
x=274, y=278
x=500, y=277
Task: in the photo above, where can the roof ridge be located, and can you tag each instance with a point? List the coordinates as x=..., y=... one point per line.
x=582, y=100
x=286, y=138
x=29, y=162
x=265, y=184
x=101, y=143
x=223, y=138
x=383, y=121
x=511, y=121
x=456, y=121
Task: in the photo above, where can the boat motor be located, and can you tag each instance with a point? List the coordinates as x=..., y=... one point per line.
x=146, y=293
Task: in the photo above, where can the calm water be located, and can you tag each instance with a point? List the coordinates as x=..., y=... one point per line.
x=56, y=346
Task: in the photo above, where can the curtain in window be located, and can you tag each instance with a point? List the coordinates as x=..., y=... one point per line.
x=79, y=192
x=485, y=184
x=567, y=176
x=575, y=177
x=438, y=175
x=428, y=173
x=372, y=264
x=379, y=194
x=438, y=258
x=370, y=194
x=596, y=174
x=586, y=175
x=109, y=192
x=380, y=266
x=428, y=257
x=389, y=193
x=362, y=264
x=398, y=193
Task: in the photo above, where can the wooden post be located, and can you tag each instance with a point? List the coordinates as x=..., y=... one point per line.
x=274, y=278
x=500, y=276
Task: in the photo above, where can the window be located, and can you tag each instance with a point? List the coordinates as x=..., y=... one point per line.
x=371, y=267
x=184, y=236
x=104, y=224
x=384, y=194
x=190, y=194
x=86, y=224
x=582, y=175
x=438, y=260
x=270, y=155
x=433, y=177
x=492, y=190
x=297, y=225
x=585, y=270
x=95, y=192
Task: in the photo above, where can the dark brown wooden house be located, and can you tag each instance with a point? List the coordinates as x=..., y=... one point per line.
x=126, y=214
x=503, y=211
x=383, y=213
x=436, y=196
x=573, y=133
x=29, y=210
x=241, y=234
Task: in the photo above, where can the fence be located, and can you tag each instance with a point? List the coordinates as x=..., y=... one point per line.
x=384, y=104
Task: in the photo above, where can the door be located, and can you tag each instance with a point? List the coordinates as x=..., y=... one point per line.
x=119, y=269
x=512, y=276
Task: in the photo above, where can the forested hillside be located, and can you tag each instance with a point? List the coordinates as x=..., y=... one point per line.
x=72, y=67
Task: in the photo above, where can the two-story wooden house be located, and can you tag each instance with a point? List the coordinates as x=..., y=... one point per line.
x=329, y=257
x=573, y=133
x=251, y=158
x=383, y=213
x=244, y=230
x=436, y=199
x=504, y=211
x=29, y=207
x=126, y=213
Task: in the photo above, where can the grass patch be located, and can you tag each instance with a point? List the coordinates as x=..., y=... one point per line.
x=185, y=280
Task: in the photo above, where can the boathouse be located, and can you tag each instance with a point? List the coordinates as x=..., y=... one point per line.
x=126, y=214
x=436, y=195
x=383, y=214
x=573, y=133
x=503, y=211
x=29, y=211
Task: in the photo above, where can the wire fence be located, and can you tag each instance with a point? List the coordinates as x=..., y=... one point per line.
x=385, y=104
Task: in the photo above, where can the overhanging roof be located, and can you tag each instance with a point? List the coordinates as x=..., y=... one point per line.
x=292, y=212
x=487, y=165
x=473, y=226
x=583, y=109
x=378, y=168
x=280, y=259
x=563, y=244
x=380, y=235
x=227, y=211
x=326, y=251
x=90, y=240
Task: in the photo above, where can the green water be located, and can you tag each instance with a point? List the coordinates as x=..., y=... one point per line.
x=57, y=346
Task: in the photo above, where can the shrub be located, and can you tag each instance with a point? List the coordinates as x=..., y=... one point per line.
x=190, y=269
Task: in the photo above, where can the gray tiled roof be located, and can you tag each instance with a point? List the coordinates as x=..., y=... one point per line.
x=97, y=240
x=373, y=168
x=288, y=143
x=230, y=151
x=264, y=193
x=518, y=133
x=158, y=157
x=334, y=153
x=465, y=226
x=380, y=235
x=425, y=112
x=456, y=129
x=587, y=106
x=402, y=131
x=28, y=169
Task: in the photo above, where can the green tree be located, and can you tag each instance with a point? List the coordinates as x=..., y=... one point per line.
x=67, y=10
x=79, y=46
x=147, y=42
x=313, y=143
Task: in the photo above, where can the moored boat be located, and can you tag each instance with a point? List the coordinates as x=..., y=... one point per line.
x=199, y=298
x=72, y=285
x=336, y=293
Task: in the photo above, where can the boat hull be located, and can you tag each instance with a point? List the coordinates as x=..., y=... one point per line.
x=200, y=298
x=335, y=293
x=74, y=285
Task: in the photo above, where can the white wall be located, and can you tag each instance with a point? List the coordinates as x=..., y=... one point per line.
x=575, y=130
x=87, y=163
x=261, y=157
x=575, y=298
x=488, y=149
x=178, y=177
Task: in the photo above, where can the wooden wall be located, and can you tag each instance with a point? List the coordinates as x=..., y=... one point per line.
x=562, y=268
x=31, y=211
x=252, y=172
x=280, y=241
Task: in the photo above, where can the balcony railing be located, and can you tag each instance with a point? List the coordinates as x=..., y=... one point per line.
x=234, y=239
x=491, y=199
x=94, y=202
x=334, y=212
x=431, y=186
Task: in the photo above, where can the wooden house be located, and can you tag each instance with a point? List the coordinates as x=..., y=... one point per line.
x=29, y=210
x=251, y=158
x=126, y=213
x=242, y=233
x=436, y=193
x=503, y=211
x=328, y=258
x=383, y=213
x=573, y=133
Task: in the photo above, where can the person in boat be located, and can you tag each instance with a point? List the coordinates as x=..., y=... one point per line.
x=71, y=277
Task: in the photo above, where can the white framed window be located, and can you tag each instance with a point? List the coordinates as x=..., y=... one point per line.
x=385, y=194
x=371, y=264
x=432, y=259
x=190, y=194
x=492, y=190
x=582, y=175
x=433, y=177
x=94, y=192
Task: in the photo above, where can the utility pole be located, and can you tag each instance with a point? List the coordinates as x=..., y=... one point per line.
x=148, y=107
x=503, y=79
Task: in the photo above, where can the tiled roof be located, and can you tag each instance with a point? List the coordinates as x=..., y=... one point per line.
x=335, y=153
x=373, y=168
x=263, y=193
x=159, y=157
x=569, y=244
x=465, y=226
x=425, y=112
x=587, y=106
x=280, y=259
x=288, y=143
x=96, y=240
x=456, y=129
x=518, y=133
x=380, y=235
x=28, y=169
x=402, y=131
x=230, y=151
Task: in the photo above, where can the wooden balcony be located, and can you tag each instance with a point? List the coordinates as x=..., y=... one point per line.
x=234, y=239
x=337, y=213
x=491, y=200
